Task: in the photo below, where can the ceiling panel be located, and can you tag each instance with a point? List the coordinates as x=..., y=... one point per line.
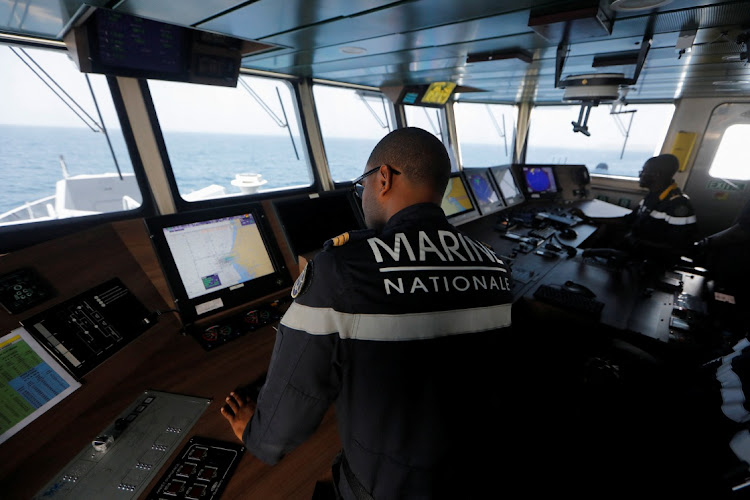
x=40, y=18
x=265, y=18
x=189, y=12
x=397, y=42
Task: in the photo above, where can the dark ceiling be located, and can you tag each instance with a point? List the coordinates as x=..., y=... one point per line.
x=389, y=43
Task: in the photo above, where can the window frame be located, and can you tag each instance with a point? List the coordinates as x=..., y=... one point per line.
x=391, y=118
x=606, y=180
x=517, y=106
x=718, y=148
x=182, y=205
x=17, y=236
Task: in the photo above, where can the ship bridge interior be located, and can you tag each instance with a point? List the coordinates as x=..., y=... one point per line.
x=124, y=157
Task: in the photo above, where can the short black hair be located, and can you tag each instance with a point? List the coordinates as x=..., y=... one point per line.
x=417, y=153
x=665, y=165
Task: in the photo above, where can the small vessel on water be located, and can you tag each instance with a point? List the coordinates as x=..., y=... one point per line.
x=89, y=194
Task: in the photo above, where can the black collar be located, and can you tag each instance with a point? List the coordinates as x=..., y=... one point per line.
x=417, y=212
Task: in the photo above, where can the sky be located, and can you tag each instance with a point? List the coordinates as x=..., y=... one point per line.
x=180, y=106
x=187, y=107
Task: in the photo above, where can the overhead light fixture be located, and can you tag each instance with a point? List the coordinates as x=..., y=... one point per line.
x=636, y=5
x=353, y=50
x=731, y=82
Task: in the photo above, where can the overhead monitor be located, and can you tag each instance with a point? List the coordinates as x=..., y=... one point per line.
x=540, y=181
x=507, y=185
x=457, y=203
x=111, y=42
x=218, y=258
x=309, y=220
x=485, y=193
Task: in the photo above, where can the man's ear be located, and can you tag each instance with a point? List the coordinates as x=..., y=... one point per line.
x=385, y=180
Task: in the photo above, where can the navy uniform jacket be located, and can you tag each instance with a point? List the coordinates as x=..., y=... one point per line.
x=667, y=218
x=403, y=330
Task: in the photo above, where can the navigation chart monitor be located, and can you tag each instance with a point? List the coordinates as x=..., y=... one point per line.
x=540, y=181
x=218, y=258
x=487, y=196
x=457, y=203
x=507, y=185
x=309, y=221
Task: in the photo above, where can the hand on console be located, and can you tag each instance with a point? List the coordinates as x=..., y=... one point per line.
x=238, y=410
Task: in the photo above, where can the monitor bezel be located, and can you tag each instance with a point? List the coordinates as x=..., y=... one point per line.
x=230, y=297
x=535, y=195
x=466, y=215
x=489, y=177
x=509, y=168
x=343, y=193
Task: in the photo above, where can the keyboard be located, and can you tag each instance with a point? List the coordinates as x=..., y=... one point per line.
x=568, y=299
x=543, y=232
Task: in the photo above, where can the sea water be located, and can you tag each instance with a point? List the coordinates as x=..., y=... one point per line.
x=30, y=159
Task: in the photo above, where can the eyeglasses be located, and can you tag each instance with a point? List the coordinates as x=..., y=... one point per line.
x=359, y=187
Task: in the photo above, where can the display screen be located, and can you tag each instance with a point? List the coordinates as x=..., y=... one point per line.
x=539, y=180
x=484, y=190
x=438, y=93
x=507, y=184
x=216, y=254
x=125, y=41
x=309, y=222
x=218, y=258
x=410, y=97
x=456, y=199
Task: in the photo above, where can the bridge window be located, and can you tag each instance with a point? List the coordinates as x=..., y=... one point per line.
x=61, y=144
x=429, y=119
x=225, y=142
x=729, y=161
x=352, y=122
x=620, y=139
x=486, y=133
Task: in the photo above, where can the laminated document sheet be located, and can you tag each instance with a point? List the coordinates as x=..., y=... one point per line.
x=31, y=382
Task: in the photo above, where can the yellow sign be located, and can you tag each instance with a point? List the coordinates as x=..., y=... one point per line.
x=438, y=92
x=683, y=146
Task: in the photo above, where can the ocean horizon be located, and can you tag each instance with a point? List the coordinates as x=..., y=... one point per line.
x=30, y=159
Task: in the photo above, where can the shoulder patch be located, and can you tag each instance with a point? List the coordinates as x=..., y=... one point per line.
x=303, y=281
x=341, y=239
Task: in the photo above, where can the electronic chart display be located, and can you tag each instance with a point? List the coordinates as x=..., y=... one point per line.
x=507, y=185
x=457, y=203
x=215, y=254
x=218, y=258
x=456, y=199
x=485, y=193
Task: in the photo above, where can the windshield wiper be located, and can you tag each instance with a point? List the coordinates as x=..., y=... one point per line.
x=281, y=123
x=502, y=133
x=57, y=90
x=95, y=126
x=438, y=131
x=363, y=97
x=615, y=112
